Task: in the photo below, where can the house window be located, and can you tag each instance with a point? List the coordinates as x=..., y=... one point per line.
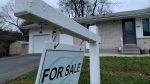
x=146, y=27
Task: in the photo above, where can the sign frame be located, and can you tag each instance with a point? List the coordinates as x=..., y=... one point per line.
x=50, y=17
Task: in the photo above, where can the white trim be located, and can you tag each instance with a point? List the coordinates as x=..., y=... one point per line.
x=145, y=37
x=139, y=30
x=142, y=24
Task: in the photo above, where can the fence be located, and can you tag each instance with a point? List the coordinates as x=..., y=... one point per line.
x=18, y=51
x=4, y=52
x=14, y=51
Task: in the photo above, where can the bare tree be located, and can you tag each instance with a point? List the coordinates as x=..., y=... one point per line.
x=73, y=8
x=81, y=8
x=7, y=19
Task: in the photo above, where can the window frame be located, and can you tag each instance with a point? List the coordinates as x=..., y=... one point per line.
x=143, y=26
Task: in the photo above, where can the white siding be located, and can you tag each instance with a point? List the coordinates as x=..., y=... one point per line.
x=36, y=31
x=139, y=27
x=66, y=39
x=38, y=42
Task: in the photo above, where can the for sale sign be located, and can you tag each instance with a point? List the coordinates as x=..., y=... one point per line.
x=61, y=66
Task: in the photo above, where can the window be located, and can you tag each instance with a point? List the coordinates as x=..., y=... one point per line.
x=146, y=27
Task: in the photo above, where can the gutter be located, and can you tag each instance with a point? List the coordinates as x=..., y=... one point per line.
x=93, y=19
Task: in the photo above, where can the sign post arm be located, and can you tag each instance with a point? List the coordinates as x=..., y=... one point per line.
x=94, y=61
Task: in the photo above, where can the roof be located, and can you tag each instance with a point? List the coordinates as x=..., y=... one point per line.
x=23, y=42
x=114, y=16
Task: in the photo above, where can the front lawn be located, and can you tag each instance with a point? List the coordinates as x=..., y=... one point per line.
x=114, y=70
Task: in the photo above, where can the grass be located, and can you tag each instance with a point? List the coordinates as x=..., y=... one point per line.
x=114, y=70
x=25, y=79
x=125, y=70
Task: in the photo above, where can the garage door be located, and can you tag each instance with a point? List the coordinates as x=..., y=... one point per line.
x=38, y=43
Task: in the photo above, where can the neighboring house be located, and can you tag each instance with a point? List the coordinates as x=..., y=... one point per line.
x=18, y=48
x=129, y=30
x=38, y=35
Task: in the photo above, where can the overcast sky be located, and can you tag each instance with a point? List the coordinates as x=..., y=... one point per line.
x=125, y=6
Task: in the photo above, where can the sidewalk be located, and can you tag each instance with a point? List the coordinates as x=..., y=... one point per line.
x=119, y=55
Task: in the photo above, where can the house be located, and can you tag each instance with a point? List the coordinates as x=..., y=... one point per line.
x=128, y=31
x=18, y=48
x=39, y=34
x=37, y=37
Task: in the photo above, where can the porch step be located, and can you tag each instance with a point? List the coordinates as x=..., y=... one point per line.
x=130, y=49
x=130, y=46
x=130, y=52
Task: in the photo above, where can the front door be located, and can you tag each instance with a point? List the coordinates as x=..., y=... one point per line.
x=129, y=33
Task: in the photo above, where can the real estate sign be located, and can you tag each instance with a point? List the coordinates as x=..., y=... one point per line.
x=61, y=66
x=50, y=17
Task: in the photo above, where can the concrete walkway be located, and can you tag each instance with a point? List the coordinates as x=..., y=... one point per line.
x=120, y=55
x=12, y=67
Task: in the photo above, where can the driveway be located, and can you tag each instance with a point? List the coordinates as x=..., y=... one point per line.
x=12, y=67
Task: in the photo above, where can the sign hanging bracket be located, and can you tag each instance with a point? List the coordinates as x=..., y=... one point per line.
x=56, y=46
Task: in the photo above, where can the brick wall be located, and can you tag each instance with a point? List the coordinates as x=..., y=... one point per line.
x=110, y=33
x=143, y=43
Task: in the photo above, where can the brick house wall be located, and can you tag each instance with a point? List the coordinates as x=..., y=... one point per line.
x=144, y=43
x=110, y=33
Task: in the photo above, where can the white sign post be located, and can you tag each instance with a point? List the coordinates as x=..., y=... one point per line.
x=39, y=12
x=60, y=64
x=94, y=59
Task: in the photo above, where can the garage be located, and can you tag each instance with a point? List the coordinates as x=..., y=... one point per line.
x=38, y=42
